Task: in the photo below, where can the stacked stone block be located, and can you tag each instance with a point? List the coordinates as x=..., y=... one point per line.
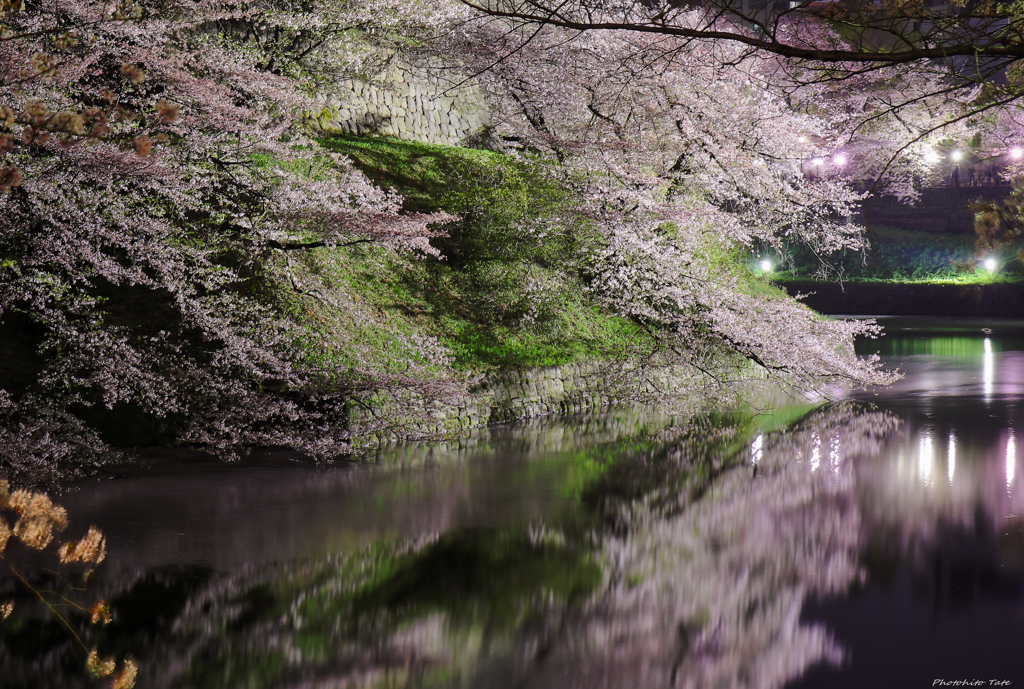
x=517, y=395
x=405, y=102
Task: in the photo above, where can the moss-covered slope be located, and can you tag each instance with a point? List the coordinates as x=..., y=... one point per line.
x=507, y=291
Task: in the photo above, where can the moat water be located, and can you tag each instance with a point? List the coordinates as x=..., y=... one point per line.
x=876, y=540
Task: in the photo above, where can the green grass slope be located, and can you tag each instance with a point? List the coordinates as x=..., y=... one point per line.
x=506, y=294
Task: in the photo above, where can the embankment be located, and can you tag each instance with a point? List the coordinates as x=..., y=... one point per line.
x=558, y=390
x=994, y=300
x=521, y=394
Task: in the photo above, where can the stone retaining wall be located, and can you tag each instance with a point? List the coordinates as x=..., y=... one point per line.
x=394, y=98
x=520, y=395
x=405, y=102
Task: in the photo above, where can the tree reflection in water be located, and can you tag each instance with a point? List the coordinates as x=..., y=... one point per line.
x=687, y=565
x=707, y=592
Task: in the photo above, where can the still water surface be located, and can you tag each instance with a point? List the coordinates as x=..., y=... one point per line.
x=873, y=541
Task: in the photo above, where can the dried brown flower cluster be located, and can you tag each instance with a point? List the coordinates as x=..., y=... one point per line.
x=105, y=668
x=97, y=667
x=100, y=612
x=92, y=548
x=125, y=679
x=38, y=519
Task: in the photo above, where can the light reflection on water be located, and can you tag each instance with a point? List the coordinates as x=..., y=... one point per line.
x=925, y=459
x=945, y=559
x=873, y=542
x=987, y=369
x=1011, y=462
x=951, y=457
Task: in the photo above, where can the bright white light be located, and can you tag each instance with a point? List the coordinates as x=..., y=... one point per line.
x=951, y=468
x=931, y=157
x=766, y=266
x=755, y=449
x=1016, y=152
x=802, y=139
x=987, y=369
x=1011, y=460
x=839, y=159
x=957, y=156
x=925, y=459
x=990, y=265
x=818, y=162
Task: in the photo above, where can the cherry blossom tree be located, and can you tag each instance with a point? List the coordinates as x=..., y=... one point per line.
x=905, y=62
x=685, y=155
x=155, y=184
x=148, y=185
x=872, y=34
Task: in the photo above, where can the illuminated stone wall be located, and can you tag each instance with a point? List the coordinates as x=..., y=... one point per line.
x=405, y=102
x=526, y=394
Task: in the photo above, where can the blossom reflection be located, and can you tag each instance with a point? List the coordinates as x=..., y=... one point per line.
x=709, y=592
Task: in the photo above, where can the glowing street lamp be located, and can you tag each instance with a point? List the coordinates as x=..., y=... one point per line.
x=818, y=162
x=957, y=156
x=766, y=266
x=839, y=159
x=990, y=265
x=1016, y=152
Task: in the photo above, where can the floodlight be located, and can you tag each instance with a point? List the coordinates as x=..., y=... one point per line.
x=1016, y=152
x=990, y=265
x=957, y=156
x=839, y=159
x=766, y=265
x=818, y=162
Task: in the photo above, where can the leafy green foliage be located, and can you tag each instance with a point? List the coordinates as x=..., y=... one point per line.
x=507, y=292
x=907, y=256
